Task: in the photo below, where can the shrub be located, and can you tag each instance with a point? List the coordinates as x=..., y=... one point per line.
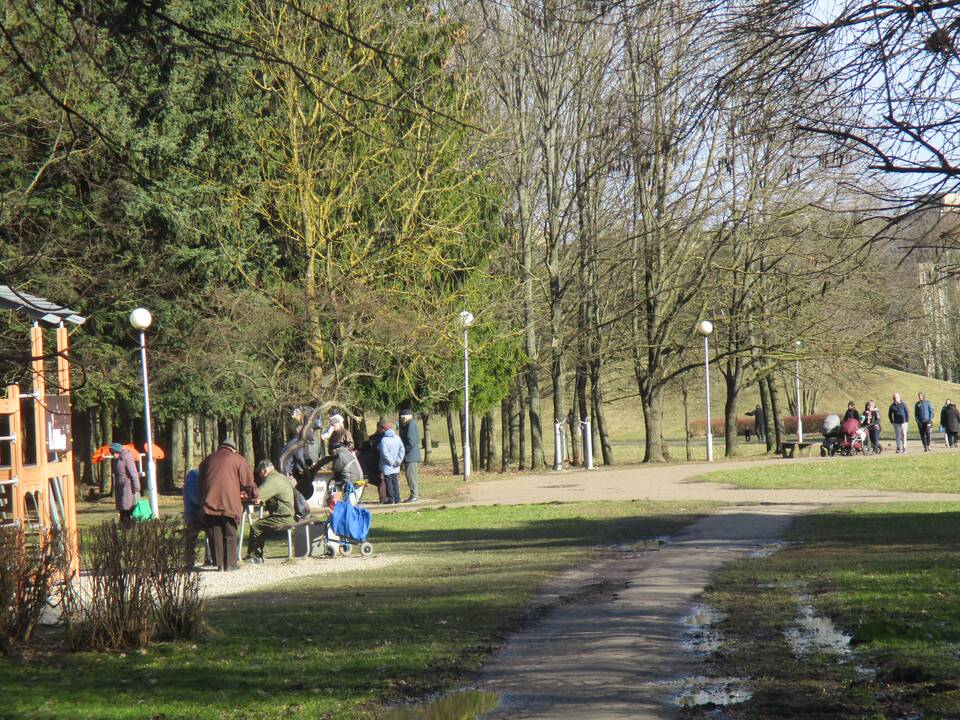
x=698, y=426
x=137, y=586
x=29, y=567
x=811, y=423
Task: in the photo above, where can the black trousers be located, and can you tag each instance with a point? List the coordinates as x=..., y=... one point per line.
x=222, y=532
x=924, y=434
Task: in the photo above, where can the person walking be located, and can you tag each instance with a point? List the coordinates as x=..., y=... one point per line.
x=276, y=495
x=757, y=415
x=943, y=427
x=225, y=481
x=410, y=436
x=126, y=483
x=923, y=414
x=391, y=456
x=950, y=420
x=899, y=416
x=871, y=421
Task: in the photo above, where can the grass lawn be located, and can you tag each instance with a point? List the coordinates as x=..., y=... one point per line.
x=934, y=472
x=887, y=575
x=339, y=646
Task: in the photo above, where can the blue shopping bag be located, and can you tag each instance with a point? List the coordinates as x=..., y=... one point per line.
x=350, y=521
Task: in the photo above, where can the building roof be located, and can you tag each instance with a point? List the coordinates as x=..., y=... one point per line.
x=37, y=308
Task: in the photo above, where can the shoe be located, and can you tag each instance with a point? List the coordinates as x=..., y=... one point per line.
x=253, y=560
x=412, y=498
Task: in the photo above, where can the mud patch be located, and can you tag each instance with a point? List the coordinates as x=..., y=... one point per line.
x=699, y=635
x=463, y=705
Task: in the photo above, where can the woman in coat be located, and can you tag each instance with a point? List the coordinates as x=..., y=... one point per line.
x=871, y=421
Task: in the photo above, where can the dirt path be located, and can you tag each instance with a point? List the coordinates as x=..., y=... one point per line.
x=669, y=482
x=620, y=655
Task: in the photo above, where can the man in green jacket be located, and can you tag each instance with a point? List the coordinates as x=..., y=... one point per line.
x=276, y=494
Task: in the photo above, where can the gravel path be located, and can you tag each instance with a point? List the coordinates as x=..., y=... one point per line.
x=254, y=577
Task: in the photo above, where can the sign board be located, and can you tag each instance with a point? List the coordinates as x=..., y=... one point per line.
x=58, y=421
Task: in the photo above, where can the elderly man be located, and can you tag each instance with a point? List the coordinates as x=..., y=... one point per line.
x=225, y=477
x=410, y=435
x=126, y=483
x=276, y=494
x=899, y=416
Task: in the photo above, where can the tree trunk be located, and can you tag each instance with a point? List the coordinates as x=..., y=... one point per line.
x=452, y=437
x=106, y=437
x=481, y=457
x=278, y=436
x=473, y=440
x=523, y=410
x=505, y=427
x=492, y=432
x=599, y=416
x=516, y=424
x=427, y=439
x=575, y=415
x=686, y=421
x=222, y=432
x=533, y=408
x=651, y=400
x=732, y=386
x=177, y=460
x=775, y=418
x=246, y=434
x=765, y=405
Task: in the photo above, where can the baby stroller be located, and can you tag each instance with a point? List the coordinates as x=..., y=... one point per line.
x=832, y=433
x=851, y=439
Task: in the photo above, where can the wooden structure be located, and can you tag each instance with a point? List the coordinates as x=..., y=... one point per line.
x=37, y=483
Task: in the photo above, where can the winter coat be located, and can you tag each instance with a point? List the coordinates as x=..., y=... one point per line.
x=950, y=418
x=346, y=466
x=222, y=477
x=923, y=412
x=410, y=435
x=757, y=415
x=126, y=480
x=276, y=493
x=191, y=497
x=391, y=453
x=898, y=413
x=851, y=414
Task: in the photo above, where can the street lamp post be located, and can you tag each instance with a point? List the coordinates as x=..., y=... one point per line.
x=799, y=408
x=466, y=320
x=140, y=319
x=705, y=327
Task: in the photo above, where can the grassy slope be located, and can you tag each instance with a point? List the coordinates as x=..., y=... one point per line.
x=888, y=576
x=327, y=647
x=625, y=417
x=936, y=472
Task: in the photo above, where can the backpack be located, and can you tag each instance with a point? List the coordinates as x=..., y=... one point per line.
x=301, y=509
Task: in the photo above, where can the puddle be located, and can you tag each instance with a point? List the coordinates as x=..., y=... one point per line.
x=698, y=692
x=813, y=633
x=698, y=636
x=765, y=551
x=463, y=705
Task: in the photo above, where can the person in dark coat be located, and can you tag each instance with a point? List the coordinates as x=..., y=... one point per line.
x=126, y=483
x=871, y=421
x=369, y=457
x=899, y=416
x=226, y=480
x=410, y=435
x=950, y=420
x=852, y=413
x=923, y=414
x=757, y=415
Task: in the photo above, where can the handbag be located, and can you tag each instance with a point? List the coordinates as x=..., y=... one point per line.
x=142, y=511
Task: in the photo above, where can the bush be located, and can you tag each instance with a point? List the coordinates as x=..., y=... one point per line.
x=811, y=423
x=698, y=426
x=137, y=586
x=29, y=567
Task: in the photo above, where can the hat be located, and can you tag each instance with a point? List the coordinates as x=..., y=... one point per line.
x=406, y=413
x=228, y=442
x=116, y=447
x=336, y=419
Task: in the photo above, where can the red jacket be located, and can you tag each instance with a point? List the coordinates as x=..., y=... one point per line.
x=222, y=476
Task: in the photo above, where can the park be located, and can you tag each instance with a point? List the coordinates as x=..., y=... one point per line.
x=479, y=359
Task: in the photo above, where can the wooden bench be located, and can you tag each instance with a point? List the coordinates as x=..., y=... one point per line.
x=796, y=449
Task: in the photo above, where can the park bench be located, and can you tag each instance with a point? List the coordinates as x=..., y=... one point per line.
x=796, y=449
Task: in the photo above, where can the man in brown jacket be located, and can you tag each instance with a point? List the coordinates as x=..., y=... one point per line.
x=225, y=481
